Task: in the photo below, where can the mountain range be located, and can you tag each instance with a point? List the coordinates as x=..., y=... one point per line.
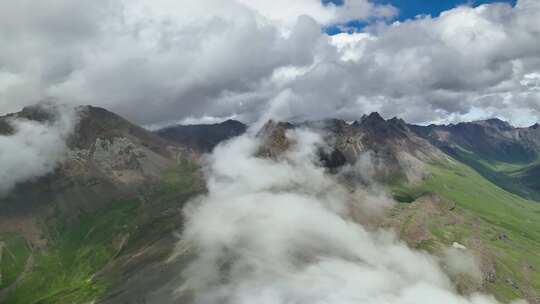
x=102, y=226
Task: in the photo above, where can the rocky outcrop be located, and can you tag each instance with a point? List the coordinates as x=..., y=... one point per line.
x=108, y=159
x=370, y=148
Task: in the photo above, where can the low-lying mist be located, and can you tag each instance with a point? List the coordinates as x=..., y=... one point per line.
x=276, y=231
x=34, y=148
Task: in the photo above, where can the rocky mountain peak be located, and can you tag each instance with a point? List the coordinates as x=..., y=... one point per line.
x=495, y=123
x=398, y=124
x=382, y=130
x=393, y=149
x=98, y=123
x=274, y=137
x=372, y=119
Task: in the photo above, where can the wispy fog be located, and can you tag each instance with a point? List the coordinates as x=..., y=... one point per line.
x=34, y=148
x=282, y=231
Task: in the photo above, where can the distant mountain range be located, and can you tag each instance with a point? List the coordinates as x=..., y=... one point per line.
x=203, y=138
x=505, y=155
x=100, y=227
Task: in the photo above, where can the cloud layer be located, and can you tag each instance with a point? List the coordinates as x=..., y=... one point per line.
x=282, y=232
x=160, y=61
x=34, y=148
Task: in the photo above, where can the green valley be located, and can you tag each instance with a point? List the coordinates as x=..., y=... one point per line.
x=501, y=228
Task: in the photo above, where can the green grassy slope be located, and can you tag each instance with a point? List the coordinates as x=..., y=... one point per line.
x=517, y=177
x=14, y=255
x=66, y=271
x=506, y=225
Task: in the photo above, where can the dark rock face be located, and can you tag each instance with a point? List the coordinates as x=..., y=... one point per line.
x=389, y=144
x=491, y=139
x=203, y=138
x=332, y=159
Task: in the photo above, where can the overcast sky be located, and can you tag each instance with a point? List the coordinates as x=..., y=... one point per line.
x=160, y=61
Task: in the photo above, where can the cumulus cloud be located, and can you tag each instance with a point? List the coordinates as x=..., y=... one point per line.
x=175, y=57
x=280, y=231
x=325, y=14
x=34, y=148
x=165, y=60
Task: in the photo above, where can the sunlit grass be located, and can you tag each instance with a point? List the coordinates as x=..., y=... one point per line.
x=494, y=212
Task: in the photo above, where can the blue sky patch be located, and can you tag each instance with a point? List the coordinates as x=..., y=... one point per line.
x=408, y=9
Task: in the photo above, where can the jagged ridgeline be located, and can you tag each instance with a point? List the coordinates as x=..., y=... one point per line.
x=102, y=225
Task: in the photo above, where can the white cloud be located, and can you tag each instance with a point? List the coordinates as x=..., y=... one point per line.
x=34, y=148
x=287, y=12
x=351, y=46
x=431, y=68
x=531, y=81
x=165, y=60
x=280, y=231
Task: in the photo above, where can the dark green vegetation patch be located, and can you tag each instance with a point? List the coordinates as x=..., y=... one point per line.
x=14, y=254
